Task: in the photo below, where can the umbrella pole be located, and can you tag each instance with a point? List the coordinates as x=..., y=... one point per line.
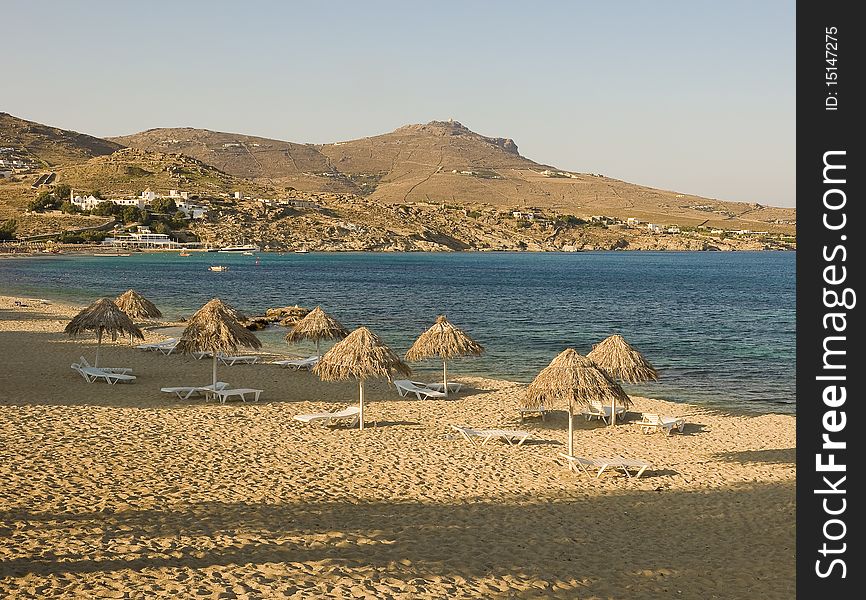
x=98, y=344
x=445, y=376
x=214, y=370
x=613, y=412
x=319, y=354
x=570, y=433
x=361, y=404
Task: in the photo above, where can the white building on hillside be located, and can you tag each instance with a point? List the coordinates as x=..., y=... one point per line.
x=192, y=211
x=148, y=196
x=87, y=203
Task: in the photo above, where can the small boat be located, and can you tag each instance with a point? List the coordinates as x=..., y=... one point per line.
x=248, y=252
x=302, y=251
x=218, y=268
x=183, y=253
x=240, y=248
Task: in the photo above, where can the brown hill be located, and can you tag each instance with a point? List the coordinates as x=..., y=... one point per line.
x=286, y=164
x=50, y=145
x=443, y=162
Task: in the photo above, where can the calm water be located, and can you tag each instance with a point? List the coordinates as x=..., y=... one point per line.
x=719, y=326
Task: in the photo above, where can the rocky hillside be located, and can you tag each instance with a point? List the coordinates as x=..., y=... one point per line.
x=334, y=222
x=285, y=164
x=445, y=162
x=51, y=146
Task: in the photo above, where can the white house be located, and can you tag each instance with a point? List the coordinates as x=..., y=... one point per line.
x=136, y=202
x=192, y=211
x=148, y=196
x=178, y=194
x=631, y=221
x=88, y=203
x=239, y=195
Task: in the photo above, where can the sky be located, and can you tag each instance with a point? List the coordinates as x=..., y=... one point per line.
x=695, y=96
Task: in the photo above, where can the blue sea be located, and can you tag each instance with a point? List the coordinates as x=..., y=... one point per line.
x=719, y=326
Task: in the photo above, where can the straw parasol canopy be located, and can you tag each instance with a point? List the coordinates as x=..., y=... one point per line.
x=622, y=362
x=103, y=316
x=573, y=380
x=362, y=355
x=137, y=306
x=443, y=340
x=317, y=325
x=215, y=328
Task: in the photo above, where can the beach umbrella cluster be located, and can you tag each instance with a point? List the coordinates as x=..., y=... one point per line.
x=444, y=341
x=215, y=328
x=103, y=317
x=317, y=325
x=361, y=356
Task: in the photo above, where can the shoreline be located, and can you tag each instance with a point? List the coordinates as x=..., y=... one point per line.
x=133, y=488
x=70, y=308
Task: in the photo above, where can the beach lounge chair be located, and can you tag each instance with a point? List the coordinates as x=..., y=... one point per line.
x=157, y=345
x=201, y=355
x=237, y=360
x=539, y=410
x=579, y=463
x=224, y=394
x=299, y=363
x=168, y=347
x=453, y=386
x=92, y=374
x=422, y=392
x=185, y=392
x=652, y=422
x=602, y=411
x=512, y=436
x=348, y=417
x=125, y=370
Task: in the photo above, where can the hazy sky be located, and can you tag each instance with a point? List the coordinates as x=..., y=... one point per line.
x=689, y=95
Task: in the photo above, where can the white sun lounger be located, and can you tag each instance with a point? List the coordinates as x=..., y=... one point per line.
x=124, y=370
x=453, y=386
x=652, y=422
x=539, y=410
x=237, y=360
x=224, y=394
x=92, y=374
x=579, y=463
x=201, y=355
x=167, y=349
x=348, y=416
x=185, y=392
x=512, y=436
x=421, y=391
x=299, y=363
x=602, y=411
x=157, y=345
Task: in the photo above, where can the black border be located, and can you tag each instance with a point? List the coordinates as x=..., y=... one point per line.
x=818, y=131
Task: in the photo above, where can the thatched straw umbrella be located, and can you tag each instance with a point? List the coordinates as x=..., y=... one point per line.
x=215, y=329
x=443, y=340
x=317, y=325
x=103, y=317
x=137, y=306
x=622, y=362
x=362, y=355
x=572, y=380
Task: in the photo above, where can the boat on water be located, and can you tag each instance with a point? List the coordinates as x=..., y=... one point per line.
x=183, y=253
x=244, y=248
x=111, y=254
x=248, y=252
x=302, y=251
x=218, y=268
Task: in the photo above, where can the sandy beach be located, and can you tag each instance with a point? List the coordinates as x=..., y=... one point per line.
x=126, y=492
